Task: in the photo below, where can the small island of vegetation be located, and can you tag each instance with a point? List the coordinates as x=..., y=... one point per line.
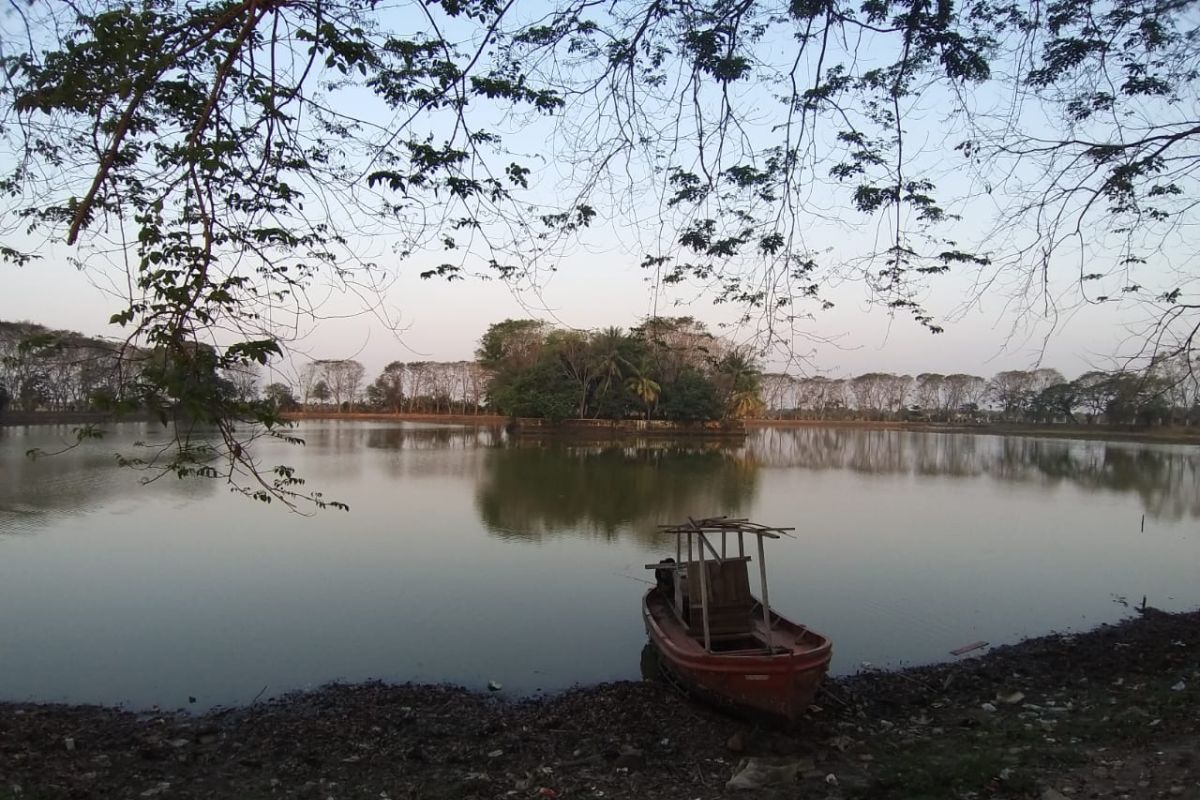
x=669, y=369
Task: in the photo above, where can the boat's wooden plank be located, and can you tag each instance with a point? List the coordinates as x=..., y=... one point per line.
x=766, y=603
x=967, y=648
x=770, y=534
x=704, y=595
x=681, y=565
x=706, y=543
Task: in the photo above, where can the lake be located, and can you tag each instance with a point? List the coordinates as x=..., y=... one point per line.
x=469, y=558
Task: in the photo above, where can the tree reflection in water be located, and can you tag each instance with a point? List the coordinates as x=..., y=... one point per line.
x=530, y=490
x=1166, y=478
x=79, y=477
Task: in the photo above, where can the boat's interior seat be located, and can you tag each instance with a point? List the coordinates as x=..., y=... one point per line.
x=729, y=602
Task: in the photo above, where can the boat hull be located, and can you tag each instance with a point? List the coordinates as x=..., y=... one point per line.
x=779, y=684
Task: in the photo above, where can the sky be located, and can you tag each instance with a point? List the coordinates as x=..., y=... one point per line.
x=601, y=285
x=417, y=319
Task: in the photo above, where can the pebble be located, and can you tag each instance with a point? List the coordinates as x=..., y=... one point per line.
x=631, y=758
x=1100, y=773
x=1175, y=791
x=475, y=781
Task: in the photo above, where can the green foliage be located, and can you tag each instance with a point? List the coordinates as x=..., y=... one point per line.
x=740, y=384
x=387, y=391
x=544, y=391
x=1056, y=402
x=1137, y=400
x=611, y=374
x=281, y=396
x=691, y=397
x=645, y=389
x=511, y=343
x=320, y=392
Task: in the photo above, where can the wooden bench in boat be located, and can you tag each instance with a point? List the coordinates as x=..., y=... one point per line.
x=730, y=606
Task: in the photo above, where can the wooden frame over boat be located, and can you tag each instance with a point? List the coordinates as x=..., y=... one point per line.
x=717, y=639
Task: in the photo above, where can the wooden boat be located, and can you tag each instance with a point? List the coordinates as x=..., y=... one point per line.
x=717, y=640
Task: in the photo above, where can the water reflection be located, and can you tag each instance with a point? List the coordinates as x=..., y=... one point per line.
x=76, y=479
x=137, y=594
x=1166, y=478
x=533, y=489
x=527, y=490
x=440, y=437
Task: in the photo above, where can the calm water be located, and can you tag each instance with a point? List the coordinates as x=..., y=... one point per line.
x=466, y=558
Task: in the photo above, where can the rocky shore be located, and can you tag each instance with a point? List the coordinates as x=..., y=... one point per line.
x=1113, y=713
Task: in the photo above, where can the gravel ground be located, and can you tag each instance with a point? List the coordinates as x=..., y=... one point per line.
x=1110, y=713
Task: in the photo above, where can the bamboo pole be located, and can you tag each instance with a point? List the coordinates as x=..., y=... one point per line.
x=677, y=576
x=704, y=542
x=766, y=603
x=741, y=545
x=704, y=594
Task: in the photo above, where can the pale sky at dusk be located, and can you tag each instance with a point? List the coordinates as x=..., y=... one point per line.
x=443, y=321
x=600, y=283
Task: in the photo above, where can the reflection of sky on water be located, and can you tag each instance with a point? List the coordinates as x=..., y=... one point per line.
x=467, y=558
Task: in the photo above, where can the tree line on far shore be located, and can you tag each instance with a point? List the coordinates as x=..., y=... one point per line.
x=1167, y=393
x=665, y=368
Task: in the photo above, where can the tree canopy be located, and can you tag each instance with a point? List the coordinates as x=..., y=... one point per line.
x=670, y=368
x=226, y=154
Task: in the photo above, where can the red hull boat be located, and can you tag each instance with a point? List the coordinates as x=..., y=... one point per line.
x=747, y=675
x=723, y=645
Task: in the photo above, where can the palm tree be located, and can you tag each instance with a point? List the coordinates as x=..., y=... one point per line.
x=742, y=382
x=744, y=402
x=644, y=388
x=611, y=364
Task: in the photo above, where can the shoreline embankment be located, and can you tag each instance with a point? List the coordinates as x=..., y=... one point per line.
x=1106, y=713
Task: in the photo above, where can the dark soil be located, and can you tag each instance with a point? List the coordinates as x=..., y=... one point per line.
x=1111, y=713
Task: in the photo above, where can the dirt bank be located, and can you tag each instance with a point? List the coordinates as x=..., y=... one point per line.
x=1107, y=714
